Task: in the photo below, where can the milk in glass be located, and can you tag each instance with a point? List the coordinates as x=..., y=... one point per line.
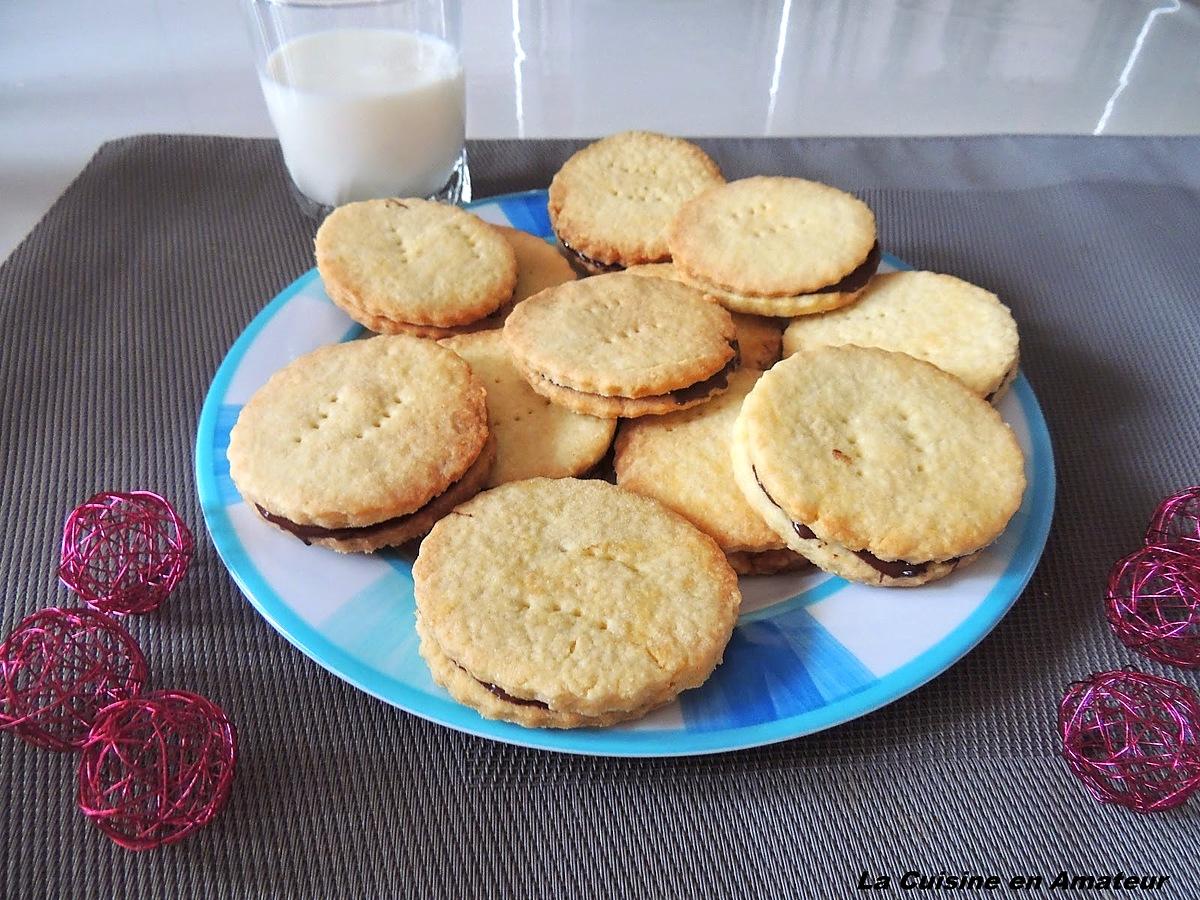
x=367, y=112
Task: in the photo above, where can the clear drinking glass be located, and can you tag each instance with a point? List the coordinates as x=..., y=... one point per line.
x=367, y=97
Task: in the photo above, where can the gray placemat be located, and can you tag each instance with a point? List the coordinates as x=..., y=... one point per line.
x=116, y=311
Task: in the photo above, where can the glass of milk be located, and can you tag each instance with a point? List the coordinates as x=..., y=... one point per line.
x=367, y=97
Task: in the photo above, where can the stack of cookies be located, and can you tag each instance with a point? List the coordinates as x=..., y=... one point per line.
x=554, y=599
x=363, y=445
x=621, y=346
x=876, y=466
x=561, y=603
x=612, y=202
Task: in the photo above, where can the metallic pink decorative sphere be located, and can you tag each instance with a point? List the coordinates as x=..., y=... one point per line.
x=1132, y=738
x=59, y=668
x=1153, y=604
x=156, y=768
x=1176, y=522
x=123, y=553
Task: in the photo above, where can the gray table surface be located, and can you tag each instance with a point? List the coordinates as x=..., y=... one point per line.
x=116, y=311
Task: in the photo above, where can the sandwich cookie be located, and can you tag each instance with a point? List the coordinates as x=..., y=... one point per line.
x=876, y=466
x=363, y=445
x=396, y=265
x=533, y=436
x=682, y=460
x=568, y=602
x=539, y=266
x=760, y=338
x=610, y=203
x=960, y=328
x=805, y=245
x=620, y=345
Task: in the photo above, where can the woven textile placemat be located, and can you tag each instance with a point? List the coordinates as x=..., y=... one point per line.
x=116, y=311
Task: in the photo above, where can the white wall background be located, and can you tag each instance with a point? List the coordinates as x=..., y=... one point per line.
x=74, y=73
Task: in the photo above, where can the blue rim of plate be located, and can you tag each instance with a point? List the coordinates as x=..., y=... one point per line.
x=604, y=742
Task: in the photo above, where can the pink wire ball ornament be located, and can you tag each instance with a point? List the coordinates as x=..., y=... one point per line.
x=1176, y=522
x=1153, y=604
x=156, y=768
x=59, y=668
x=123, y=553
x=1133, y=739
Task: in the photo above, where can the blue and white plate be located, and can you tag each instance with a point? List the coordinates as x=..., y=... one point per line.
x=810, y=651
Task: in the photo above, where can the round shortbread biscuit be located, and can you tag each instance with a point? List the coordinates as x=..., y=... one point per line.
x=682, y=460
x=576, y=594
x=353, y=434
x=621, y=336
x=539, y=266
x=772, y=236
x=534, y=437
x=847, y=451
x=825, y=555
x=960, y=328
x=491, y=703
x=768, y=307
x=413, y=261
x=613, y=200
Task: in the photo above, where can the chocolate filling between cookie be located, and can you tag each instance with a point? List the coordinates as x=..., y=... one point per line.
x=501, y=692
x=1008, y=377
x=718, y=381
x=308, y=533
x=587, y=261
x=506, y=696
x=889, y=568
x=858, y=278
